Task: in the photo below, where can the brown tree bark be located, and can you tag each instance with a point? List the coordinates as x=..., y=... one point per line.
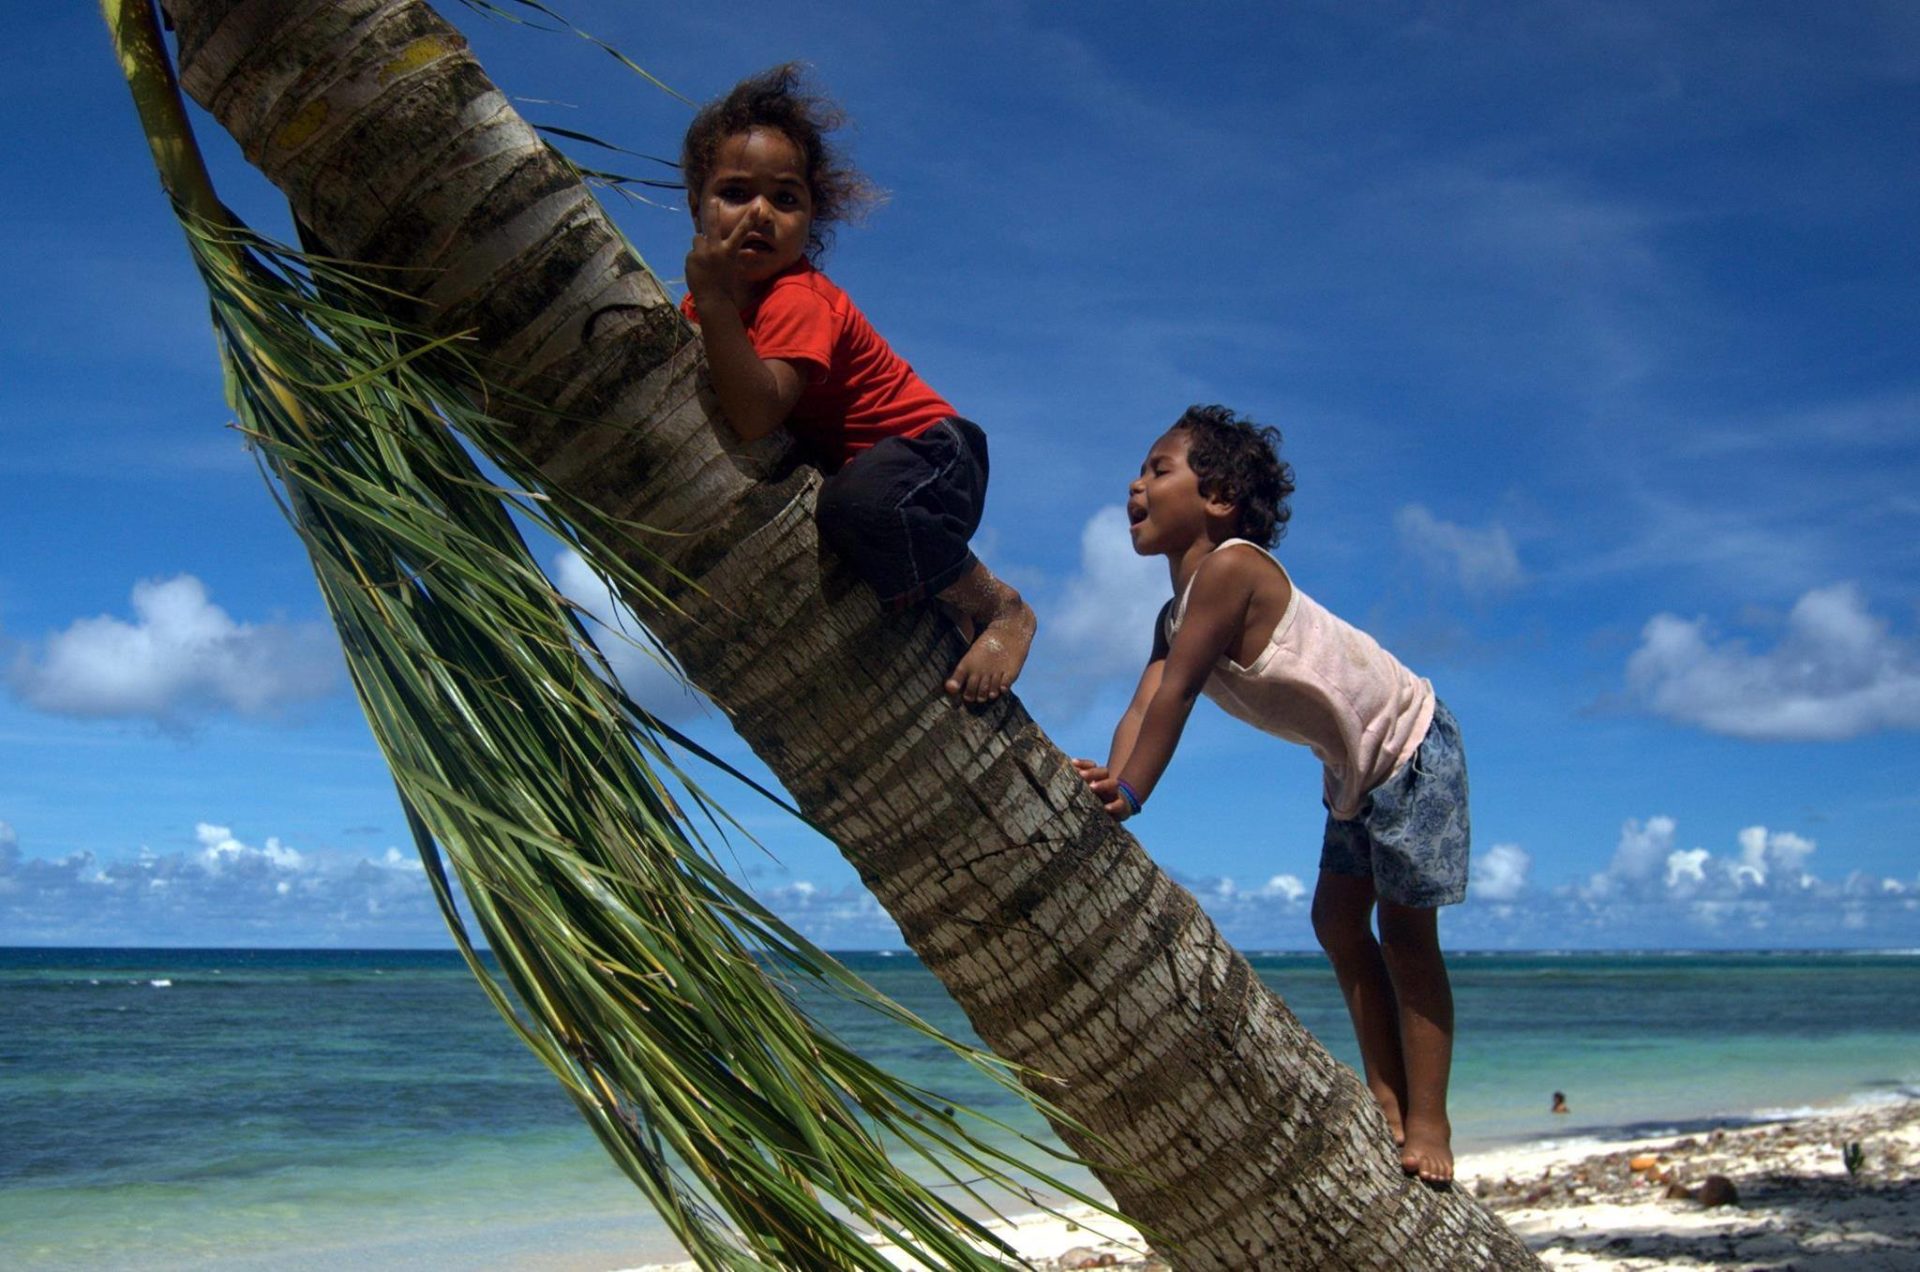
x=1237, y=1138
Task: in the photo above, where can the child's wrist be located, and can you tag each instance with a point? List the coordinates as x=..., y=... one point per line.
x=709, y=295
x=1127, y=793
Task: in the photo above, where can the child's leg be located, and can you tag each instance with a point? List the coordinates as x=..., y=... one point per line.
x=1410, y=942
x=1002, y=626
x=1417, y=827
x=901, y=515
x=1343, y=922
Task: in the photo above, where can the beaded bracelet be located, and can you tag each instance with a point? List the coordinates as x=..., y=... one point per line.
x=1127, y=793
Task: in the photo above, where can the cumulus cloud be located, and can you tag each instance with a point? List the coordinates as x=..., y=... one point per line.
x=1499, y=873
x=1687, y=869
x=1481, y=562
x=1100, y=626
x=1640, y=854
x=1837, y=672
x=1760, y=892
x=1285, y=888
x=647, y=680
x=222, y=891
x=1647, y=862
x=181, y=657
x=220, y=851
x=1765, y=855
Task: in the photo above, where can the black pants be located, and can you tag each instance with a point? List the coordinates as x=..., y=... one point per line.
x=901, y=513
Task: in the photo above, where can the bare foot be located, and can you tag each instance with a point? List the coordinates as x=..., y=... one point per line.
x=990, y=665
x=1389, y=1103
x=1428, y=1151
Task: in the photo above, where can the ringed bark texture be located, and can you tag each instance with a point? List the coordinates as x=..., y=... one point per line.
x=1228, y=1130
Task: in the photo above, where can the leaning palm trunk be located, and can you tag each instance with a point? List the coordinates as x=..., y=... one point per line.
x=645, y=978
x=1217, y=1121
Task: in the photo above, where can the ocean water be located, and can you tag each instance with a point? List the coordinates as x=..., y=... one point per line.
x=234, y=1109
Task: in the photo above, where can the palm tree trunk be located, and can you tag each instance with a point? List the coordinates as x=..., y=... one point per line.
x=1227, y=1130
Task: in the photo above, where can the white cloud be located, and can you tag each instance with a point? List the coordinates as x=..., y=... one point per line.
x=1837, y=672
x=219, y=851
x=1686, y=868
x=1482, y=562
x=1759, y=892
x=1647, y=864
x=1639, y=855
x=221, y=891
x=1500, y=873
x=1762, y=855
x=182, y=656
x=1285, y=888
x=394, y=859
x=1100, y=626
x=647, y=680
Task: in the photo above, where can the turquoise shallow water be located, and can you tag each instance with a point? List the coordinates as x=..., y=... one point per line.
x=255, y=1109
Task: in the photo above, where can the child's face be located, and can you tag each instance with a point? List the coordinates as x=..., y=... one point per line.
x=758, y=186
x=1166, y=512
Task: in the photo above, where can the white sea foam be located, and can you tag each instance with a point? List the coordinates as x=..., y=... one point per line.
x=1900, y=1094
x=162, y=983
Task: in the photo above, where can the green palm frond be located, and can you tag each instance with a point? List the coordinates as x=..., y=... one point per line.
x=659, y=992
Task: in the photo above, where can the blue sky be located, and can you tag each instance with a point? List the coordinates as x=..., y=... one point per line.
x=1591, y=330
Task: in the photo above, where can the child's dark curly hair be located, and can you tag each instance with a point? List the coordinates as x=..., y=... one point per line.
x=780, y=99
x=1238, y=460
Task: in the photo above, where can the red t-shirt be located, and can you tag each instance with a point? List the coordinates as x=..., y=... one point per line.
x=854, y=389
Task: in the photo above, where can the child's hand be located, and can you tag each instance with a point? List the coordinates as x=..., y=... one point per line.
x=713, y=264
x=1105, y=787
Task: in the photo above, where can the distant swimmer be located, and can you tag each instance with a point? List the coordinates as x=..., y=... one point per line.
x=1560, y=1102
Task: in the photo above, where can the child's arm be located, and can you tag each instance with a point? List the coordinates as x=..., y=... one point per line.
x=1127, y=732
x=1216, y=613
x=756, y=394
x=1103, y=777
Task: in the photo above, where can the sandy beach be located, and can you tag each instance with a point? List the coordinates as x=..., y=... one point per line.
x=1795, y=1203
x=1791, y=1194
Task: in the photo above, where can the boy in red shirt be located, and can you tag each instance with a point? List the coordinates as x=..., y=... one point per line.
x=906, y=476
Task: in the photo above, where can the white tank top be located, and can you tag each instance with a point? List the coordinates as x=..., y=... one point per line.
x=1326, y=684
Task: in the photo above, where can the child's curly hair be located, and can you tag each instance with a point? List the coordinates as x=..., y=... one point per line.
x=780, y=99
x=1239, y=460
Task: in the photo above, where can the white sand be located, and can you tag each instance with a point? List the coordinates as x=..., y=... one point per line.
x=1581, y=1205
x=1076, y=1238
x=1798, y=1207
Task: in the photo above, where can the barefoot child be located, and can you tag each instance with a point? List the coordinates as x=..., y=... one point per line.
x=906, y=476
x=1211, y=499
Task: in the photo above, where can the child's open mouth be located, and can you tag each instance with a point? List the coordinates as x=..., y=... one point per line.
x=1135, y=514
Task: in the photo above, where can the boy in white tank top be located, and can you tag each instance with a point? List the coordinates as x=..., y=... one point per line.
x=1211, y=498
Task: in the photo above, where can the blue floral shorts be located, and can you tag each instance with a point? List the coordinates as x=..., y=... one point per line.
x=1411, y=837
